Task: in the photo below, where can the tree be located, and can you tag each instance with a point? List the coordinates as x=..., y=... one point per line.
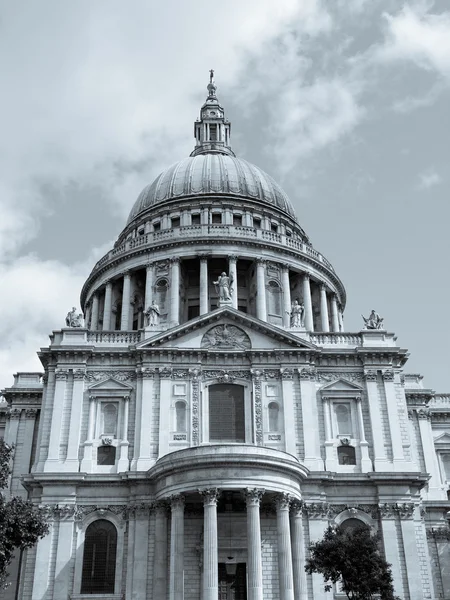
x=351, y=558
x=21, y=522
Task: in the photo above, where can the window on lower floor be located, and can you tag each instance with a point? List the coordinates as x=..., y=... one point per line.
x=273, y=416
x=180, y=417
x=106, y=455
x=226, y=413
x=346, y=455
x=99, y=558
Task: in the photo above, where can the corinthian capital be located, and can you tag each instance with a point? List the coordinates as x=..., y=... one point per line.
x=253, y=496
x=210, y=496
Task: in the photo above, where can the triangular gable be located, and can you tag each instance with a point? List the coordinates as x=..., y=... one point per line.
x=110, y=385
x=342, y=385
x=442, y=440
x=252, y=327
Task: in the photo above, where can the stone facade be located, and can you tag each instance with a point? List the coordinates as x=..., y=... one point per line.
x=210, y=444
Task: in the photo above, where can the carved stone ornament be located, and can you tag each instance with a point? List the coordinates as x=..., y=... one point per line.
x=79, y=374
x=61, y=374
x=30, y=413
x=282, y=501
x=195, y=397
x=253, y=496
x=147, y=373
x=176, y=501
x=97, y=376
x=14, y=413
x=222, y=337
x=210, y=496
x=307, y=374
x=370, y=509
x=370, y=376
x=439, y=533
x=388, y=375
x=274, y=437
x=180, y=373
x=287, y=373
x=424, y=413
x=165, y=372
x=257, y=398
x=317, y=510
x=373, y=321
x=404, y=510
x=225, y=376
x=179, y=437
x=330, y=376
x=272, y=373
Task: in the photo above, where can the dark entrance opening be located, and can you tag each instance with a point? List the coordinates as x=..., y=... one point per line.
x=232, y=586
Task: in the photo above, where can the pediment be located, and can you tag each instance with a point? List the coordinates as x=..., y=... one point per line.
x=341, y=387
x=226, y=329
x=442, y=440
x=110, y=385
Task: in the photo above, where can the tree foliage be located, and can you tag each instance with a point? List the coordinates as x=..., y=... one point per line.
x=351, y=558
x=21, y=522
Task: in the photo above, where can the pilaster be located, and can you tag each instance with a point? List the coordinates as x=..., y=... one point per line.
x=144, y=444
x=310, y=415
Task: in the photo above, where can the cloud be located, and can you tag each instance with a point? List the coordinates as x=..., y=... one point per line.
x=411, y=103
x=428, y=179
x=415, y=34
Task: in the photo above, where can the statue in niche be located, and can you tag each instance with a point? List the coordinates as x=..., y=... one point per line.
x=374, y=321
x=152, y=314
x=74, y=319
x=297, y=314
x=224, y=287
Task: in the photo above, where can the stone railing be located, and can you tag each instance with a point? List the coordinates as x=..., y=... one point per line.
x=213, y=232
x=114, y=337
x=336, y=338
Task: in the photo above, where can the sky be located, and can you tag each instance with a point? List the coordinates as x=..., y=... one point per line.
x=346, y=103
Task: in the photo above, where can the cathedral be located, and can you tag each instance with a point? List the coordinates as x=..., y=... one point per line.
x=206, y=417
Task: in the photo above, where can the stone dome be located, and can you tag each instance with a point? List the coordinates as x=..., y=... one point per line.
x=212, y=173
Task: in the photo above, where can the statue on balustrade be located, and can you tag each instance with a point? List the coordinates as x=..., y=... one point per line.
x=374, y=321
x=152, y=314
x=297, y=314
x=224, y=287
x=74, y=319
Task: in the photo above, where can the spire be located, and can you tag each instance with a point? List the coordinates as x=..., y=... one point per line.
x=212, y=131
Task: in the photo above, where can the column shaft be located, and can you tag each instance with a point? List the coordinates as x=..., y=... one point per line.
x=148, y=286
x=160, y=560
x=286, y=297
x=107, y=307
x=324, y=309
x=261, y=307
x=125, y=316
x=175, y=293
x=75, y=418
x=341, y=320
x=298, y=553
x=285, y=574
x=204, y=304
x=176, y=591
x=309, y=322
x=232, y=273
x=94, y=314
x=254, y=576
x=334, y=314
x=210, y=550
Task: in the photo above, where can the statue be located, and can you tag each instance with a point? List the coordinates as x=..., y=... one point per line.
x=73, y=319
x=297, y=314
x=152, y=313
x=374, y=321
x=224, y=287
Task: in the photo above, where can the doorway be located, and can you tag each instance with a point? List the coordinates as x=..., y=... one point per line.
x=232, y=586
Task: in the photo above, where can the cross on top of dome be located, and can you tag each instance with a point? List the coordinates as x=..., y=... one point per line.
x=212, y=131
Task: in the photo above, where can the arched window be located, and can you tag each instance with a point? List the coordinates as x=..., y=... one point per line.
x=343, y=419
x=109, y=419
x=273, y=416
x=446, y=466
x=352, y=524
x=226, y=413
x=274, y=299
x=180, y=417
x=99, y=558
x=346, y=455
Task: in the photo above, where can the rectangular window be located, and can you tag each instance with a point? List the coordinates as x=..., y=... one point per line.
x=213, y=133
x=216, y=218
x=157, y=226
x=195, y=219
x=175, y=222
x=274, y=227
x=226, y=413
x=256, y=223
x=237, y=220
x=343, y=416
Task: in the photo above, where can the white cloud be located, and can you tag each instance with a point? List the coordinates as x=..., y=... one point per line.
x=428, y=179
x=418, y=35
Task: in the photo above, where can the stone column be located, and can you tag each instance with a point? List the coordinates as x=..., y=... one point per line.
x=391, y=545
x=87, y=314
x=165, y=391
x=334, y=314
x=429, y=452
x=254, y=577
x=57, y=417
x=204, y=300
x=160, y=557
x=330, y=452
x=298, y=551
x=94, y=314
x=125, y=316
x=381, y=462
x=232, y=272
x=124, y=463
x=176, y=570
x=210, y=544
x=261, y=307
x=366, y=463
x=285, y=575
x=72, y=462
x=107, y=307
x=394, y=421
x=286, y=296
x=341, y=320
x=308, y=395
x=287, y=385
x=309, y=321
x=324, y=321
x=144, y=441
x=148, y=286
x=175, y=292
x=86, y=463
